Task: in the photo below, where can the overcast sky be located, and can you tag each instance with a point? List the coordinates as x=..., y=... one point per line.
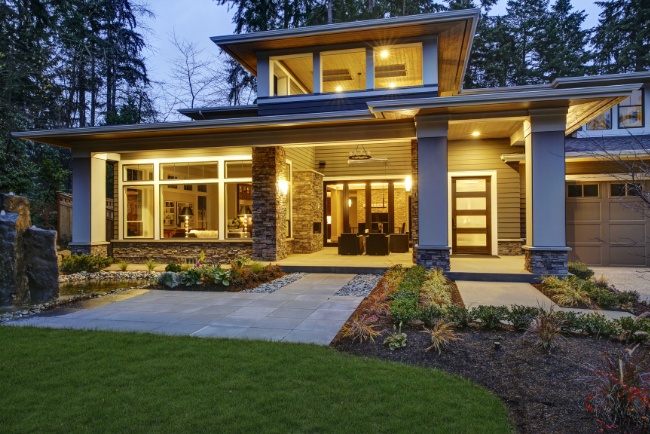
x=197, y=20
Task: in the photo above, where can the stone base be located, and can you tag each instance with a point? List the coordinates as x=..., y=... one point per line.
x=511, y=248
x=87, y=249
x=167, y=252
x=432, y=258
x=547, y=262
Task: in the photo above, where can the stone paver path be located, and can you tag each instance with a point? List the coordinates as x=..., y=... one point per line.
x=303, y=311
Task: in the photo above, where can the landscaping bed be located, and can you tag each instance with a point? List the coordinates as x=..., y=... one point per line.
x=543, y=364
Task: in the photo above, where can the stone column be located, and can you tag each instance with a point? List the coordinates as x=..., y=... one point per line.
x=14, y=220
x=431, y=190
x=269, y=204
x=307, y=210
x=89, y=204
x=546, y=250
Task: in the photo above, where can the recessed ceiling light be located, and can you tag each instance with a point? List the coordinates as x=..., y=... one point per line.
x=383, y=54
x=392, y=85
x=339, y=89
x=476, y=134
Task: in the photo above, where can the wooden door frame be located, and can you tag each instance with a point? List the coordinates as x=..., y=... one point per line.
x=494, y=245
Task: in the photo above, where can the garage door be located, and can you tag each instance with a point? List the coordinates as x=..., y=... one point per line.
x=603, y=226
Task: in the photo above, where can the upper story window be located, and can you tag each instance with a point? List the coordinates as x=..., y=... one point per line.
x=292, y=75
x=601, y=122
x=398, y=66
x=138, y=172
x=343, y=71
x=630, y=111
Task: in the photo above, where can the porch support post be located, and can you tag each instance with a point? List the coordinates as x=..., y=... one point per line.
x=546, y=250
x=432, y=244
x=89, y=204
x=269, y=204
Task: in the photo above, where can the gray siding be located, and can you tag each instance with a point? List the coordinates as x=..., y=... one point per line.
x=336, y=160
x=302, y=158
x=477, y=155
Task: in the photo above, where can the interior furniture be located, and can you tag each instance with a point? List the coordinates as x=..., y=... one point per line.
x=204, y=234
x=377, y=245
x=351, y=244
x=398, y=243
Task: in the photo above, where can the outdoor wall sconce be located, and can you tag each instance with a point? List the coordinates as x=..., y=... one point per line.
x=283, y=185
x=187, y=213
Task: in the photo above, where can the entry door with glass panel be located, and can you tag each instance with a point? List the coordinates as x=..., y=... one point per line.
x=470, y=213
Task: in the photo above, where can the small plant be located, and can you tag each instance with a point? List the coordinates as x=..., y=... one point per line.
x=361, y=329
x=604, y=298
x=192, y=277
x=396, y=340
x=174, y=268
x=595, y=324
x=634, y=329
x=521, y=316
x=547, y=328
x=442, y=334
x=580, y=270
x=83, y=262
x=571, y=321
x=490, y=317
x=257, y=267
x=458, y=315
x=628, y=298
x=221, y=276
x=404, y=310
x=621, y=399
x=151, y=265
x=431, y=314
x=123, y=265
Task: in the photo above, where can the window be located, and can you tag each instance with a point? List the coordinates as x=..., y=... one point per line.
x=630, y=111
x=138, y=211
x=601, y=122
x=239, y=169
x=292, y=75
x=138, y=172
x=203, y=202
x=398, y=66
x=189, y=171
x=344, y=71
x=239, y=214
x=627, y=189
x=582, y=190
x=289, y=213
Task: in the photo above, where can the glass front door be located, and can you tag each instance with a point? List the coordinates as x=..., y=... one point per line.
x=471, y=225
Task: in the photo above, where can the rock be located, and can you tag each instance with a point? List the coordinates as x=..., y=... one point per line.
x=169, y=279
x=11, y=203
x=41, y=264
x=13, y=281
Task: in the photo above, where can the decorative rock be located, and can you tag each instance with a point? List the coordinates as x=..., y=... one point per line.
x=13, y=281
x=170, y=280
x=41, y=264
x=360, y=286
x=276, y=284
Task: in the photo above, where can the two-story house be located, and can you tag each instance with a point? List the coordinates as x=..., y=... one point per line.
x=358, y=127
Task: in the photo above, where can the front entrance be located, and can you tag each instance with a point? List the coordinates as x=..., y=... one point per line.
x=471, y=215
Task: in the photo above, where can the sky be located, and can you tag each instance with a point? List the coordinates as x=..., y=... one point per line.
x=196, y=20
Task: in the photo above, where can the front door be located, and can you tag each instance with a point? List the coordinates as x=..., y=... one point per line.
x=470, y=215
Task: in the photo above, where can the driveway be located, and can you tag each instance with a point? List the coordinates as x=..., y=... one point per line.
x=304, y=311
x=627, y=279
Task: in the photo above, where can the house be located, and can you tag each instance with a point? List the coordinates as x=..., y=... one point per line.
x=358, y=127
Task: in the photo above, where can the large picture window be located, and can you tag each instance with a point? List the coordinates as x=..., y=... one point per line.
x=202, y=220
x=630, y=111
x=138, y=211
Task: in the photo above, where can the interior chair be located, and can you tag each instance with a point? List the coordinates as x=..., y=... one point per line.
x=399, y=243
x=350, y=244
x=377, y=245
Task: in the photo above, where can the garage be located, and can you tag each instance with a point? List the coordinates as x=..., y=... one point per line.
x=603, y=225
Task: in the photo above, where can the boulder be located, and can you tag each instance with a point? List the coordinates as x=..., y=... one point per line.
x=13, y=281
x=41, y=264
x=11, y=203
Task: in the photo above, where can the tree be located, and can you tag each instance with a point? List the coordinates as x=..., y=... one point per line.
x=622, y=37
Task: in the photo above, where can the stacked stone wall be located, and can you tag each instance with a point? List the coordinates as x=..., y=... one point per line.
x=414, y=199
x=547, y=262
x=307, y=210
x=432, y=258
x=510, y=248
x=167, y=252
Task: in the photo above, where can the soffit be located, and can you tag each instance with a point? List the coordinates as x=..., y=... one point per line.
x=494, y=129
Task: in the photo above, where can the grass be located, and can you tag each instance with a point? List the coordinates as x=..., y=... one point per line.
x=90, y=381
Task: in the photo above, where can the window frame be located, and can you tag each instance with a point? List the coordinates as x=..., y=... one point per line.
x=582, y=190
x=640, y=106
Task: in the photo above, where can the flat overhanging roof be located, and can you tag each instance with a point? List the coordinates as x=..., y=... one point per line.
x=455, y=31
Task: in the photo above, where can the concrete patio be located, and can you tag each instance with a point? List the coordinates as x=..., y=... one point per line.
x=304, y=311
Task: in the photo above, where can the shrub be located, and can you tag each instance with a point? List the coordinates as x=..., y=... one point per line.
x=150, y=264
x=83, y=262
x=490, y=316
x=571, y=321
x=221, y=276
x=458, y=315
x=192, y=277
x=621, y=399
x=604, y=298
x=634, y=329
x=170, y=279
x=595, y=324
x=396, y=340
x=547, y=328
x=569, y=296
x=442, y=334
x=436, y=296
x=360, y=329
x=521, y=316
x=174, y=268
x=257, y=267
x=580, y=270
x=123, y=265
x=627, y=298
x=431, y=314
x=404, y=310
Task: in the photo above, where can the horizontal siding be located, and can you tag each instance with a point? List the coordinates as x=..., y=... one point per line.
x=479, y=155
x=336, y=160
x=592, y=167
x=302, y=158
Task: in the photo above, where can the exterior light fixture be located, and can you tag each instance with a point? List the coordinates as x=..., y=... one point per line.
x=187, y=213
x=339, y=89
x=408, y=183
x=392, y=85
x=383, y=54
x=476, y=134
x=283, y=185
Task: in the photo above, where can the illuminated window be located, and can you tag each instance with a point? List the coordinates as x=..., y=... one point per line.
x=138, y=211
x=343, y=71
x=630, y=111
x=601, y=122
x=292, y=75
x=398, y=66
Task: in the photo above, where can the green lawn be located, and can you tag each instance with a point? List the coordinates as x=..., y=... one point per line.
x=74, y=381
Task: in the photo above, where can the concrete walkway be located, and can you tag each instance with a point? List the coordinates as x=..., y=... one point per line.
x=627, y=279
x=304, y=311
x=506, y=294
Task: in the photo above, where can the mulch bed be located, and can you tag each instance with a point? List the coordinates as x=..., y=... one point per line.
x=545, y=393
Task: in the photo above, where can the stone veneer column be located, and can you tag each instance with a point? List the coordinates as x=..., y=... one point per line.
x=413, y=224
x=307, y=210
x=431, y=187
x=269, y=204
x=546, y=250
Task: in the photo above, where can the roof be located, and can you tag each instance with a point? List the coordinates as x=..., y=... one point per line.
x=607, y=144
x=455, y=31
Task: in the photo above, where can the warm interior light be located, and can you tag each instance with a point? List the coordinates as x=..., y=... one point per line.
x=408, y=183
x=283, y=185
x=349, y=203
x=392, y=85
x=329, y=219
x=339, y=89
x=476, y=134
x=383, y=54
